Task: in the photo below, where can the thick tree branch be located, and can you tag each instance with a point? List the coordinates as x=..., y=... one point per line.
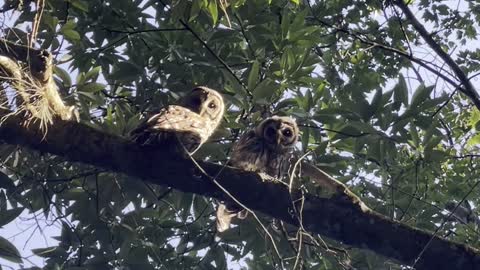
x=469, y=89
x=336, y=217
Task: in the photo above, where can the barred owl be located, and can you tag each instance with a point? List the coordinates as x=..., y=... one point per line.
x=266, y=149
x=182, y=127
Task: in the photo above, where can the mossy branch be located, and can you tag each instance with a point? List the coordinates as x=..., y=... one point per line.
x=30, y=73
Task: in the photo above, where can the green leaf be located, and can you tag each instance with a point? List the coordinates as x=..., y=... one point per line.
x=63, y=75
x=91, y=87
x=81, y=5
x=6, y=182
x=126, y=71
x=474, y=141
x=363, y=127
x=92, y=74
x=420, y=95
x=80, y=78
x=264, y=90
x=474, y=117
x=9, y=252
x=285, y=23
x=7, y=216
x=213, y=10
x=376, y=101
x=71, y=35
x=305, y=138
x=400, y=91
x=44, y=252
x=346, y=131
x=253, y=75
x=435, y=155
x=195, y=9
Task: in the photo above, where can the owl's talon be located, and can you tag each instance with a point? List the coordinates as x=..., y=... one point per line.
x=267, y=178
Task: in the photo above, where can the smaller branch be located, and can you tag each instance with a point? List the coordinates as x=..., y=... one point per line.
x=447, y=130
x=14, y=4
x=210, y=50
x=80, y=175
x=466, y=156
x=144, y=30
x=110, y=44
x=250, y=95
x=443, y=224
x=332, y=184
x=37, y=59
x=445, y=103
x=469, y=89
x=127, y=99
x=247, y=40
x=36, y=21
x=384, y=47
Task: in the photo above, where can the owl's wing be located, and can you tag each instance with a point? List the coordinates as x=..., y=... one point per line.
x=176, y=118
x=245, y=152
x=169, y=126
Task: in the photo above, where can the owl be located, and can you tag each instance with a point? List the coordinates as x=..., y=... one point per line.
x=266, y=149
x=182, y=128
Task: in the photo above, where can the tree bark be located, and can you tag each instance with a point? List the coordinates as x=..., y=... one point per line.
x=337, y=217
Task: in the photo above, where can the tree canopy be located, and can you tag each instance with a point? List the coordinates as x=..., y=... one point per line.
x=383, y=92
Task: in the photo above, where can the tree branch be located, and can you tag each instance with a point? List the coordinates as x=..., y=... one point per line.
x=39, y=61
x=34, y=85
x=469, y=89
x=336, y=217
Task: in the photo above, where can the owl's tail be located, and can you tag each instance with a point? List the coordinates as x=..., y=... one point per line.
x=224, y=217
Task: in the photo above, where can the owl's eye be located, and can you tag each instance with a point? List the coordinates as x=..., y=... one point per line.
x=287, y=133
x=212, y=105
x=270, y=132
x=197, y=101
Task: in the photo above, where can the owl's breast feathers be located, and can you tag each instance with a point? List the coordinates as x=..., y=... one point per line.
x=253, y=153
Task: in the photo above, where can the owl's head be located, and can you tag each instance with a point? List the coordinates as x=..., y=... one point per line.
x=207, y=102
x=280, y=133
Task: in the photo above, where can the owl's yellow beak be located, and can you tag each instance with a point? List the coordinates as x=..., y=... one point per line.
x=279, y=137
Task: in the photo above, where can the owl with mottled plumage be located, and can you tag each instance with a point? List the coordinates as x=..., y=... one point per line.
x=266, y=149
x=182, y=128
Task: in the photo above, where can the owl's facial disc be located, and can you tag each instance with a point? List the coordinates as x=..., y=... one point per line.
x=194, y=101
x=286, y=136
x=211, y=107
x=270, y=133
x=206, y=102
x=279, y=135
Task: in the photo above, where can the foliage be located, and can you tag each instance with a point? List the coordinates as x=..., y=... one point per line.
x=395, y=132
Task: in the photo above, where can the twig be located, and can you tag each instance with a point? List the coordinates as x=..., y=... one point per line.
x=443, y=224
x=36, y=21
x=80, y=175
x=210, y=50
x=469, y=89
x=247, y=40
x=145, y=30
x=384, y=47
